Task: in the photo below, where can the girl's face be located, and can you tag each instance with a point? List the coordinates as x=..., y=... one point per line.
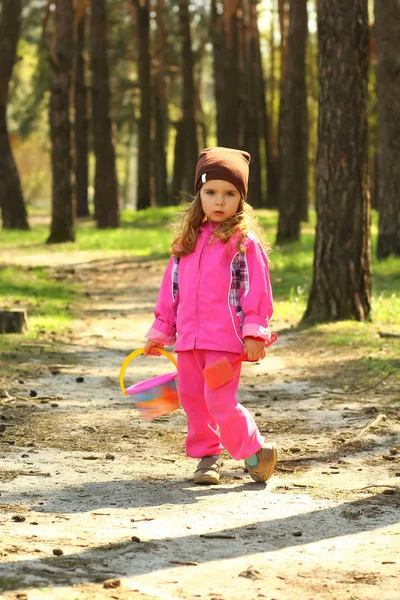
x=219, y=200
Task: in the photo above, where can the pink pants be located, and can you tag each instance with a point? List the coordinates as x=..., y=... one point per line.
x=215, y=418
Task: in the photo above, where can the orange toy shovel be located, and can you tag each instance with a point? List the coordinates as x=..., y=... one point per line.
x=221, y=371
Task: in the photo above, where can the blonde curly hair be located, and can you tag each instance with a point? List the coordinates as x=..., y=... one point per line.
x=188, y=222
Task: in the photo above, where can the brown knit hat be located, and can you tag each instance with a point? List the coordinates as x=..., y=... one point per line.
x=223, y=163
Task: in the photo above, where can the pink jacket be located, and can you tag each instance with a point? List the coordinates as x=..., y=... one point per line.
x=214, y=297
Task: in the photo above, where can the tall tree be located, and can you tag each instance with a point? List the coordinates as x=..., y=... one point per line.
x=140, y=11
x=217, y=37
x=283, y=16
x=271, y=149
x=11, y=199
x=387, y=37
x=341, y=286
x=189, y=133
x=61, y=57
x=106, y=184
x=81, y=119
x=179, y=162
x=253, y=92
x=232, y=77
x=294, y=129
x=160, y=109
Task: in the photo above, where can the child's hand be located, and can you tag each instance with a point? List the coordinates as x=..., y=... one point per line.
x=150, y=348
x=254, y=349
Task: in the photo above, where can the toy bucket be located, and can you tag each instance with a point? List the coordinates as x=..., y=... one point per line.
x=153, y=397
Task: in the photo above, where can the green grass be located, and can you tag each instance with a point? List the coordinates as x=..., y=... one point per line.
x=143, y=233
x=48, y=302
x=146, y=233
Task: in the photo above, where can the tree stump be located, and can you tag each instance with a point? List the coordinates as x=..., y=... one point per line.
x=13, y=321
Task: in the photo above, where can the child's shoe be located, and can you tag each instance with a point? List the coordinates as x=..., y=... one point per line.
x=267, y=457
x=208, y=469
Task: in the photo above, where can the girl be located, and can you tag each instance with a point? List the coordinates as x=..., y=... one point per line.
x=215, y=300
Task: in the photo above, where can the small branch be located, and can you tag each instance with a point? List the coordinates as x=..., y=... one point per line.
x=390, y=487
x=373, y=423
x=184, y=562
x=222, y=536
x=371, y=387
x=34, y=474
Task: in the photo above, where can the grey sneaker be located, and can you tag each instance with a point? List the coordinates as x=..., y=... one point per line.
x=267, y=457
x=207, y=472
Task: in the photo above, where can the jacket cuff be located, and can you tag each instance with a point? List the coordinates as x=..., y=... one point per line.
x=256, y=330
x=160, y=337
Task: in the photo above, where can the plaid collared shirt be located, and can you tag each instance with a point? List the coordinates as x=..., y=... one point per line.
x=239, y=280
x=175, y=283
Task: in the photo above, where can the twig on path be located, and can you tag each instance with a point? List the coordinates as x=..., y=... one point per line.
x=222, y=536
x=373, y=423
x=371, y=387
x=192, y=563
x=34, y=473
x=366, y=487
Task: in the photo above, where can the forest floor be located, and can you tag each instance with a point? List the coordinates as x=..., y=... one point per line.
x=96, y=503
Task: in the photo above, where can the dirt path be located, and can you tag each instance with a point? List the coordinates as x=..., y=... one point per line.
x=82, y=474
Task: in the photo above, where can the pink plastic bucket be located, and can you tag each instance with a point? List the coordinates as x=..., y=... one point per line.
x=156, y=396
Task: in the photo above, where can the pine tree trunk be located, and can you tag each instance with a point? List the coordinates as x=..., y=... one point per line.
x=200, y=117
x=283, y=15
x=141, y=12
x=160, y=110
x=63, y=197
x=232, y=78
x=271, y=150
x=252, y=101
x=81, y=122
x=312, y=92
x=294, y=129
x=341, y=286
x=217, y=36
x=106, y=184
x=387, y=35
x=179, y=163
x=11, y=199
x=189, y=99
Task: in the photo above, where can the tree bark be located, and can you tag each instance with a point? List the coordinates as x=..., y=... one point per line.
x=81, y=122
x=271, y=150
x=232, y=79
x=252, y=106
x=283, y=16
x=11, y=199
x=341, y=287
x=160, y=110
x=13, y=321
x=61, y=57
x=191, y=148
x=106, y=184
x=387, y=36
x=179, y=163
x=141, y=15
x=294, y=129
x=217, y=37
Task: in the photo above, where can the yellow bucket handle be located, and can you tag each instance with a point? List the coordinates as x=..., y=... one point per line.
x=131, y=356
